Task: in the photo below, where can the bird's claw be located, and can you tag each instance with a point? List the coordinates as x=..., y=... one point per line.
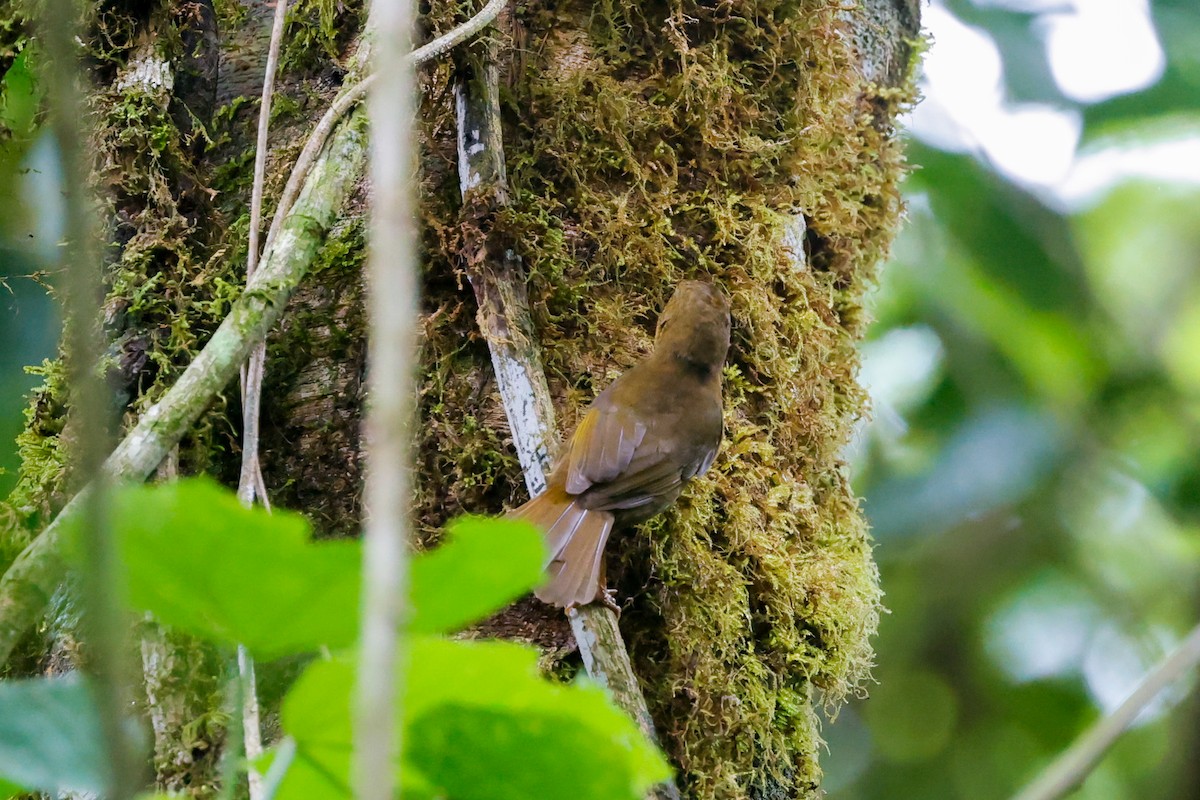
x=608, y=598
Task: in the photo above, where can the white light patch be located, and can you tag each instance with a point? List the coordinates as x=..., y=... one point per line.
x=964, y=108
x=1043, y=631
x=41, y=192
x=1094, y=173
x=1032, y=144
x=1102, y=48
x=1024, y=6
x=902, y=367
x=961, y=79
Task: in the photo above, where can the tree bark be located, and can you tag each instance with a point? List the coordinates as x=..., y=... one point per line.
x=751, y=143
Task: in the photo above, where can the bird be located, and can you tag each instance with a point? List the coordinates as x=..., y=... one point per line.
x=654, y=428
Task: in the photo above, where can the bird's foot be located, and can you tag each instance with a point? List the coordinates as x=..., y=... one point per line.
x=608, y=598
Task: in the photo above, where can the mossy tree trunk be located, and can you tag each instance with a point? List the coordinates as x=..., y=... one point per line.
x=748, y=142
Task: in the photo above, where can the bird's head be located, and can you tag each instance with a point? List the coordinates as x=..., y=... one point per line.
x=694, y=327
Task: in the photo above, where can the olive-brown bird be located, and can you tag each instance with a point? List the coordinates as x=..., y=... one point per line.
x=654, y=428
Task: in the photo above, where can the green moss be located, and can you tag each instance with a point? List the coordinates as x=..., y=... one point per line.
x=318, y=31
x=654, y=142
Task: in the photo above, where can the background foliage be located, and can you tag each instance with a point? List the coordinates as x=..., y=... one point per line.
x=1032, y=470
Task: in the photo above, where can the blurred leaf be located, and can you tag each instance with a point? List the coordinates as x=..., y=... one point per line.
x=200, y=561
x=994, y=459
x=20, y=100
x=600, y=753
x=1145, y=224
x=903, y=737
x=480, y=723
x=50, y=737
x=1049, y=348
x=483, y=566
x=1014, y=238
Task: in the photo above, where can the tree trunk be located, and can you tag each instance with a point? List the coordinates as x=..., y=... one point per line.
x=751, y=143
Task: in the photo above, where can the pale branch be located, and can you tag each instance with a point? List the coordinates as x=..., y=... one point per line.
x=264, y=125
x=251, y=480
x=499, y=283
x=448, y=41
x=251, y=725
x=1069, y=770
x=393, y=307
x=27, y=586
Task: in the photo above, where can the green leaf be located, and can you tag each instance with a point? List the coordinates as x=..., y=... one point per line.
x=200, y=561
x=19, y=100
x=50, y=737
x=483, y=566
x=481, y=723
x=496, y=684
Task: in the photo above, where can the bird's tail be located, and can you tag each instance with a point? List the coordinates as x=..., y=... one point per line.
x=575, y=539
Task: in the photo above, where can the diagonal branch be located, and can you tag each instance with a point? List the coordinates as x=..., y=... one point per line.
x=27, y=586
x=1070, y=769
x=320, y=181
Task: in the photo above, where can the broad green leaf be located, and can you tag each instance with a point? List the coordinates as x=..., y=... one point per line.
x=483, y=566
x=50, y=737
x=200, y=561
x=482, y=703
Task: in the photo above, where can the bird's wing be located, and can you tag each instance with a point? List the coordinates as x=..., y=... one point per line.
x=603, y=446
x=649, y=479
x=618, y=463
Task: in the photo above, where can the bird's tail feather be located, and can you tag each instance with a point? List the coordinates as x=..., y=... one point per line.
x=575, y=540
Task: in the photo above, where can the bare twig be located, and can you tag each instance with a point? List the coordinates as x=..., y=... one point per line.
x=1070, y=769
x=251, y=727
x=392, y=306
x=250, y=483
x=447, y=42
x=252, y=375
x=103, y=614
x=264, y=124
